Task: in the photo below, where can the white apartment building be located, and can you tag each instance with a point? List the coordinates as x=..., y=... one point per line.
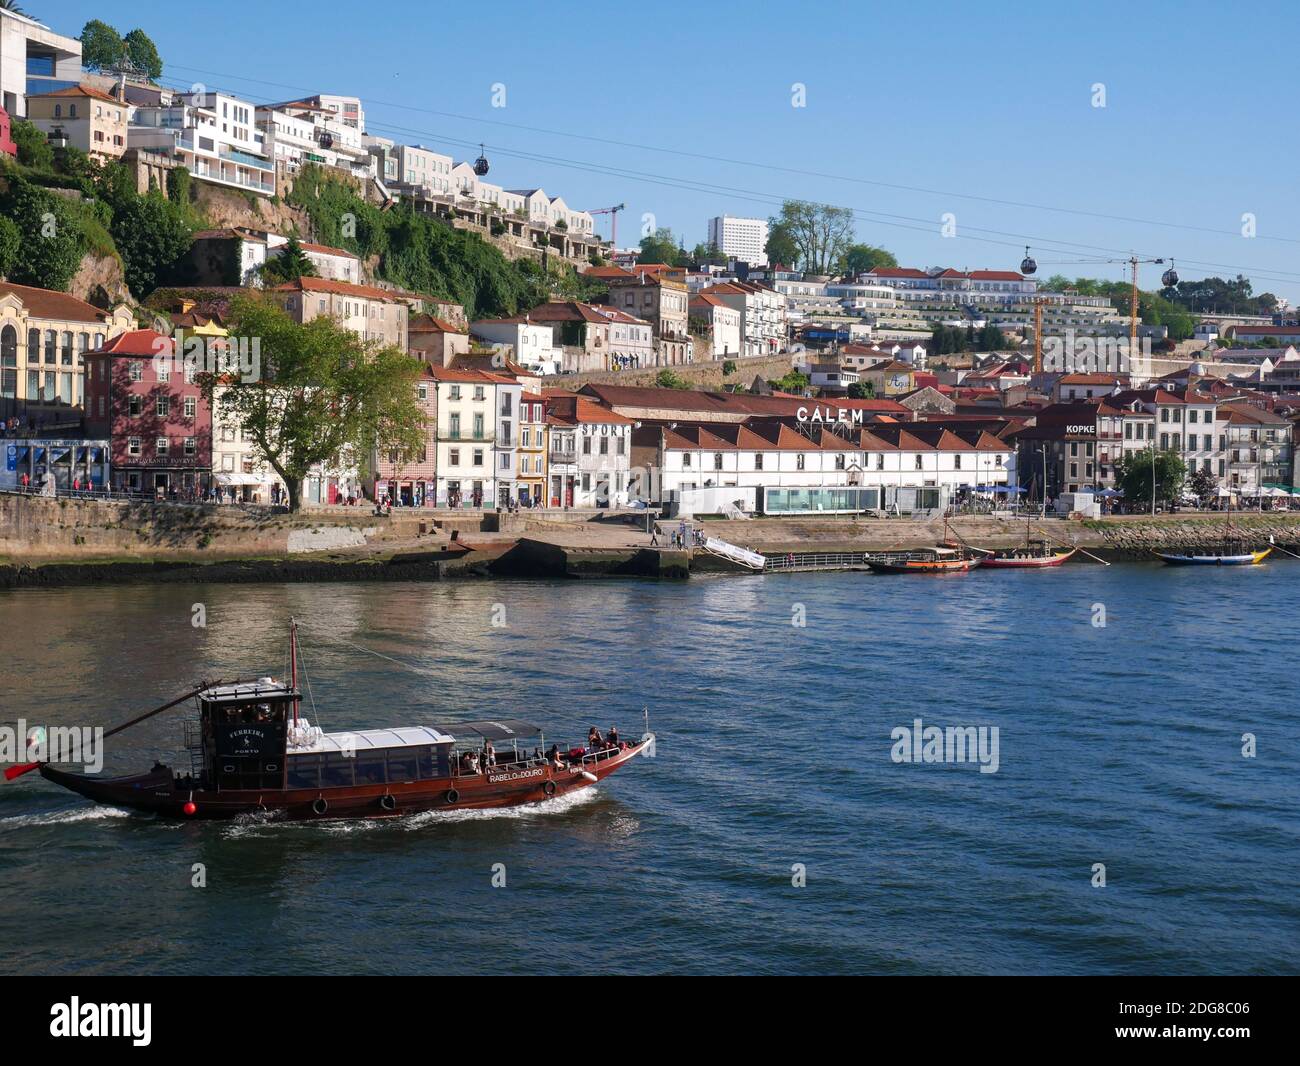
x=477, y=440
x=530, y=344
x=425, y=169
x=764, y=326
x=213, y=134
x=590, y=453
x=34, y=59
x=740, y=238
x=721, y=322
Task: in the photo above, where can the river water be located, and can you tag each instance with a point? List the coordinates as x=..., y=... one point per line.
x=773, y=831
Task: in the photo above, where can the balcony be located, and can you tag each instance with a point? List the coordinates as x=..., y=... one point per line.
x=561, y=455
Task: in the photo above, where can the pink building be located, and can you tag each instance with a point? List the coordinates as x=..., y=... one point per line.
x=411, y=479
x=154, y=415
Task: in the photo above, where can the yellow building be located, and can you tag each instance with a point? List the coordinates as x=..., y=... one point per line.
x=43, y=336
x=91, y=119
x=531, y=476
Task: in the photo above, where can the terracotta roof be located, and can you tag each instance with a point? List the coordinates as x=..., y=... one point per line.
x=468, y=376
x=80, y=91
x=433, y=324
x=136, y=342
x=325, y=249
x=570, y=409
x=337, y=288
x=46, y=303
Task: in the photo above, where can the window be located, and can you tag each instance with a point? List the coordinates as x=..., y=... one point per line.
x=717, y=460
x=758, y=460
x=162, y=406
x=134, y=406
x=453, y=457
x=455, y=392
x=686, y=460
x=478, y=392
x=799, y=461
x=586, y=445
x=160, y=446
x=191, y=406
x=604, y=445
x=478, y=456
x=918, y=462
x=135, y=370
x=620, y=442
x=956, y=461
x=132, y=445
x=505, y=460
x=189, y=446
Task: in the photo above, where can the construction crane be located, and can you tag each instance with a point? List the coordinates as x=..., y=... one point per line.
x=1169, y=278
x=613, y=221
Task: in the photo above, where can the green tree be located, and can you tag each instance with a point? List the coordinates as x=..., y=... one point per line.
x=1204, y=484
x=322, y=393
x=793, y=382
x=33, y=146
x=728, y=367
x=289, y=265
x=141, y=50
x=151, y=234
x=1133, y=475
x=821, y=233
x=859, y=258
x=862, y=390
x=780, y=248
x=11, y=239
x=51, y=236
x=101, y=45
x=669, y=379
x=659, y=247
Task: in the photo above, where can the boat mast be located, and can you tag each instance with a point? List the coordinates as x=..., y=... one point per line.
x=293, y=665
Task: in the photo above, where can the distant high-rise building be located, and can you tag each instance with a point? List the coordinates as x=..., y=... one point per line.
x=740, y=238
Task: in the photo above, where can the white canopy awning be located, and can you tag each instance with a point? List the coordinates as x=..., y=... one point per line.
x=238, y=477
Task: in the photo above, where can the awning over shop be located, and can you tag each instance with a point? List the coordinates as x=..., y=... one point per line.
x=239, y=478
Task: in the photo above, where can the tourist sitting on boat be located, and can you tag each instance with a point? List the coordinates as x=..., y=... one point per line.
x=613, y=736
x=489, y=754
x=594, y=739
x=554, y=758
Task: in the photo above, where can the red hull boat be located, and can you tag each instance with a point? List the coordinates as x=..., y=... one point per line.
x=251, y=752
x=1023, y=559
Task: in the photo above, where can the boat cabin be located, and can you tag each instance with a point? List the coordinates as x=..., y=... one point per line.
x=240, y=739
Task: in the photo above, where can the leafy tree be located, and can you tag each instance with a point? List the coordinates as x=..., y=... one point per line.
x=289, y=265
x=669, y=379
x=863, y=257
x=991, y=339
x=793, y=381
x=101, y=45
x=11, y=239
x=821, y=233
x=33, y=146
x=151, y=234
x=660, y=247
x=1204, y=484
x=141, y=50
x=728, y=367
x=780, y=247
x=862, y=390
x=322, y=393
x=1133, y=475
x=51, y=236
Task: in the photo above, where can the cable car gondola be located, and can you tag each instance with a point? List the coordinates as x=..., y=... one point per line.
x=1027, y=264
x=1170, y=277
x=481, y=163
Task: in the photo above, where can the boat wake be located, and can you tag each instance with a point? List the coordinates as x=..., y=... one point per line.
x=254, y=824
x=65, y=817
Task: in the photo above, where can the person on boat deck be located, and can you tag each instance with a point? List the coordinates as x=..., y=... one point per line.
x=594, y=739
x=489, y=754
x=613, y=736
x=553, y=756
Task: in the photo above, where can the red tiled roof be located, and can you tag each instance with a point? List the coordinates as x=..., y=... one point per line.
x=79, y=91
x=136, y=342
x=46, y=303
x=337, y=288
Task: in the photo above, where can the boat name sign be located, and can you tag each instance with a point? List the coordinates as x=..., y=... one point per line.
x=516, y=775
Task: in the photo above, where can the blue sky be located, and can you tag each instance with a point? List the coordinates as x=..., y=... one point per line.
x=962, y=100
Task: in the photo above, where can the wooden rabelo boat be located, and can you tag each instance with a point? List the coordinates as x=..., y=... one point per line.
x=941, y=559
x=1033, y=556
x=251, y=751
x=1235, y=550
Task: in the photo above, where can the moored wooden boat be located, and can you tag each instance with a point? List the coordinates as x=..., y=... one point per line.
x=1227, y=557
x=1036, y=556
x=252, y=752
x=937, y=560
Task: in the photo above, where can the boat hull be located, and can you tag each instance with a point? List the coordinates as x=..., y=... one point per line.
x=945, y=566
x=1038, y=562
x=160, y=792
x=1242, y=559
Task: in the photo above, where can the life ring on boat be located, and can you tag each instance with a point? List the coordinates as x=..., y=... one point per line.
x=452, y=795
x=320, y=805
x=549, y=788
x=388, y=802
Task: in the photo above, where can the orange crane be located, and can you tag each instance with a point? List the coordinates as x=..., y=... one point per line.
x=613, y=221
